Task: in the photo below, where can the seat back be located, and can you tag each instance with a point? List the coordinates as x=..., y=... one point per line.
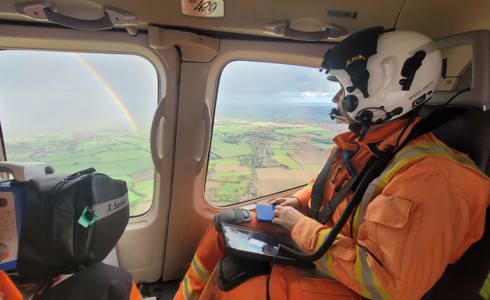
x=469, y=133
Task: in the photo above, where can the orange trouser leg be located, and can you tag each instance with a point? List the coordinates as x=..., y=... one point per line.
x=134, y=294
x=285, y=284
x=209, y=251
x=8, y=291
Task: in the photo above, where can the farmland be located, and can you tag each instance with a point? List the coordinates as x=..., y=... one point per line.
x=247, y=160
x=254, y=159
x=116, y=153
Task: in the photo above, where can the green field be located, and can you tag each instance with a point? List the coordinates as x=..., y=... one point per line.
x=283, y=157
x=239, y=150
x=120, y=155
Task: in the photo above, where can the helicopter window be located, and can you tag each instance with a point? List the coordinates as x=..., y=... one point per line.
x=272, y=130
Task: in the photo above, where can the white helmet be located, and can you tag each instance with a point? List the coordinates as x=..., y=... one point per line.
x=384, y=74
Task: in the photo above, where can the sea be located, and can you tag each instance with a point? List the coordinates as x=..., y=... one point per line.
x=260, y=108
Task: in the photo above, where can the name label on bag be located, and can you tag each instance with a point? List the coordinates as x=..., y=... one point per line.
x=108, y=208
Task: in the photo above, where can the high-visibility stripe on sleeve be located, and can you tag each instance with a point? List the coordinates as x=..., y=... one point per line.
x=201, y=272
x=324, y=264
x=370, y=285
x=188, y=292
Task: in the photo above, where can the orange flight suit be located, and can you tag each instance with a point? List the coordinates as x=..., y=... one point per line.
x=421, y=214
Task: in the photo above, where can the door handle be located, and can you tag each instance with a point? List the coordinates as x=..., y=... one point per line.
x=207, y=134
x=157, y=125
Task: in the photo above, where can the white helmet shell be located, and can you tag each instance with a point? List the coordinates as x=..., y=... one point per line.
x=402, y=74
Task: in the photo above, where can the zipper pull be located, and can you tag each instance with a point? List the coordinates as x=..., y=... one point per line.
x=79, y=173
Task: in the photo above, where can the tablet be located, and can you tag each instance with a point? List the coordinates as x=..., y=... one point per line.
x=257, y=244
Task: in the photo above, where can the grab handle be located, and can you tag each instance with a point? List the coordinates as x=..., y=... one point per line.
x=207, y=132
x=158, y=122
x=282, y=28
x=42, y=10
x=89, y=25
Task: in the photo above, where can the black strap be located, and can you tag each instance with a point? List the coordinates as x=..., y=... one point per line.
x=322, y=214
x=319, y=186
x=327, y=210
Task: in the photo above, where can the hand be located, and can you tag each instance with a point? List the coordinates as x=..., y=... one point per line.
x=286, y=216
x=286, y=201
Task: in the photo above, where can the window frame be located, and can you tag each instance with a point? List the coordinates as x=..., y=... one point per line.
x=140, y=230
x=257, y=51
x=92, y=44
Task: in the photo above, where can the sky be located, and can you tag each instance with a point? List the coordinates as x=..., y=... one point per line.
x=258, y=78
x=45, y=90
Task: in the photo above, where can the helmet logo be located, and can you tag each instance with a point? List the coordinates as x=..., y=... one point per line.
x=353, y=59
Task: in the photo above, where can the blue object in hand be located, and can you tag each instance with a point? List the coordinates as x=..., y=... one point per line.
x=265, y=212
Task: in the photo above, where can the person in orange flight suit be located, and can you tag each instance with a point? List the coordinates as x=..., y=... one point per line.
x=422, y=213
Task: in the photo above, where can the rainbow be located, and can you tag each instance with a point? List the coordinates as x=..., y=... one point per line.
x=108, y=88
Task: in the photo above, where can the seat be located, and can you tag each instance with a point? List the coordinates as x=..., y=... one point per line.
x=469, y=133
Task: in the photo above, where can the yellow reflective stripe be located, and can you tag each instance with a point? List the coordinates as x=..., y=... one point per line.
x=324, y=264
x=201, y=272
x=415, y=151
x=400, y=164
x=356, y=221
x=187, y=288
x=368, y=282
x=358, y=276
x=379, y=287
x=366, y=198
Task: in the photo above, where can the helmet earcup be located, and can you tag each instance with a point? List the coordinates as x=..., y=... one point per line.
x=349, y=103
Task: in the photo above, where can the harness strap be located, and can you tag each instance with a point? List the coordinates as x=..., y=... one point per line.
x=319, y=186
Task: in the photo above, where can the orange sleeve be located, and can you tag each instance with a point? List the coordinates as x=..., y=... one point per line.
x=304, y=195
x=424, y=219
x=305, y=233
x=8, y=289
x=135, y=294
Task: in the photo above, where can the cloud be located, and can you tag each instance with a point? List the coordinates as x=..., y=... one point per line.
x=309, y=94
x=259, y=78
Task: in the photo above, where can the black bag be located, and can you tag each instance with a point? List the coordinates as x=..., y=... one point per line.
x=70, y=222
x=233, y=270
x=97, y=282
